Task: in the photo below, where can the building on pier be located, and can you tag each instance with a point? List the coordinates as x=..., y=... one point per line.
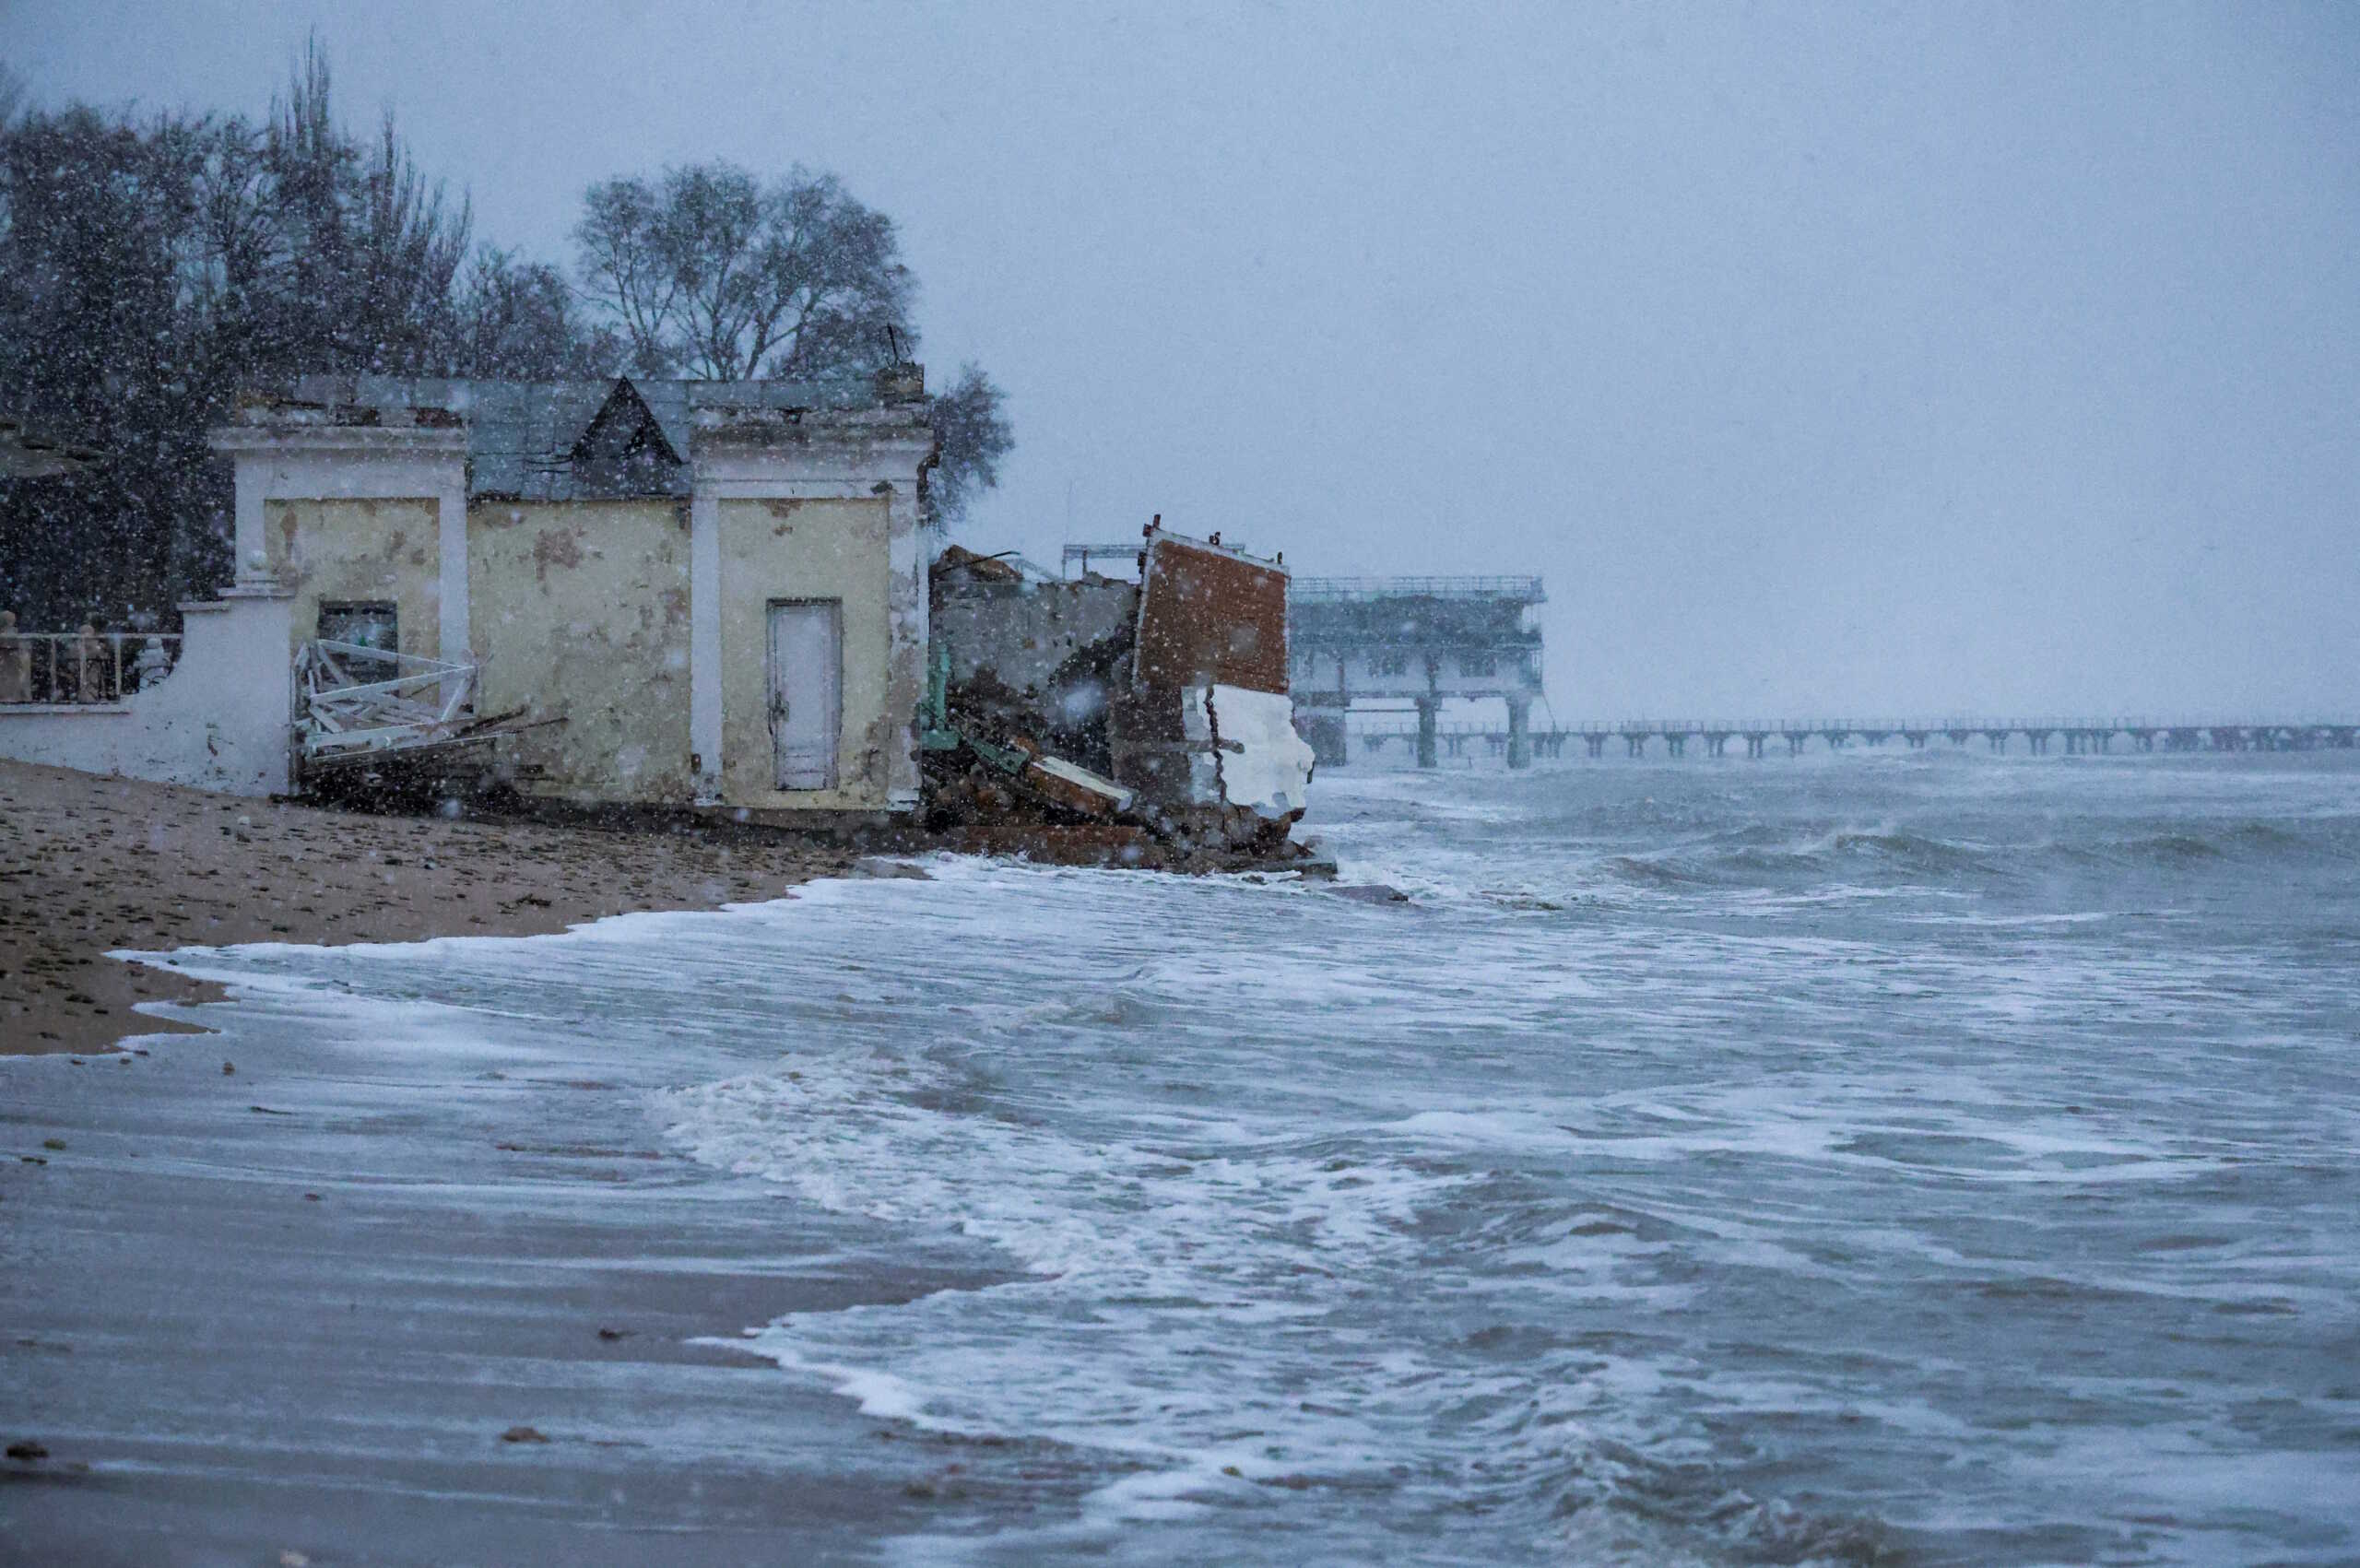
x=1418, y=640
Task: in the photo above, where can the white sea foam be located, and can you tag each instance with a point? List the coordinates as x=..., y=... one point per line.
x=1575, y=1209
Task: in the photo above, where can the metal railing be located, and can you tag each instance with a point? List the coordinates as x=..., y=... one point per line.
x=1526, y=590
x=81, y=669
x=1083, y=554
x=1955, y=724
x=357, y=701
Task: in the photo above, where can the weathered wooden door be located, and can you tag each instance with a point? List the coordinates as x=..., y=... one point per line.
x=807, y=689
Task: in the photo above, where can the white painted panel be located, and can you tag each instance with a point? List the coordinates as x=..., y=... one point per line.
x=806, y=690
x=1261, y=761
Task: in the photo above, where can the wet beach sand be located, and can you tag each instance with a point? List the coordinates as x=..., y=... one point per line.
x=353, y=1304
x=347, y=1300
x=90, y=866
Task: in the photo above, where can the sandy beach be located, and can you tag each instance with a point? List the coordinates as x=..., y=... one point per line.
x=360, y=1305
x=90, y=866
x=333, y=1303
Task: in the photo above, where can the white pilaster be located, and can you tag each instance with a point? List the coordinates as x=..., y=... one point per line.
x=907, y=603
x=704, y=641
x=253, y=546
x=450, y=513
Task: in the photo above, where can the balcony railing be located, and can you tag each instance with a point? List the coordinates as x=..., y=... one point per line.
x=1524, y=590
x=83, y=668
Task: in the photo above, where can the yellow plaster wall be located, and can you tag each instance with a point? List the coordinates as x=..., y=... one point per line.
x=581, y=608
x=804, y=550
x=338, y=551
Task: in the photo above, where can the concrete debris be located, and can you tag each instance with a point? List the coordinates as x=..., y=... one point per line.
x=1160, y=704
x=1252, y=756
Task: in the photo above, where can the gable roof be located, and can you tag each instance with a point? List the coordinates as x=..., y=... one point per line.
x=567, y=440
x=623, y=426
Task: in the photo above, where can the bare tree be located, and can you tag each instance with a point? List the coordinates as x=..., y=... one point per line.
x=151, y=265
x=519, y=320
x=972, y=429
x=712, y=273
x=709, y=272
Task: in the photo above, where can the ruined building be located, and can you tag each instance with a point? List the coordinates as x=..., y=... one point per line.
x=1167, y=695
x=682, y=595
x=686, y=592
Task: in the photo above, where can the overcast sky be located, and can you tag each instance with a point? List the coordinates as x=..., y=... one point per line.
x=1840, y=359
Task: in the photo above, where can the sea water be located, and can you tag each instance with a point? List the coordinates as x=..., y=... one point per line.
x=1884, y=1158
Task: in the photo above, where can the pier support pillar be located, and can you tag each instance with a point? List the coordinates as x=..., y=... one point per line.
x=1519, y=732
x=1429, y=709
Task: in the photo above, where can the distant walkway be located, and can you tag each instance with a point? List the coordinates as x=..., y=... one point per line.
x=2078, y=735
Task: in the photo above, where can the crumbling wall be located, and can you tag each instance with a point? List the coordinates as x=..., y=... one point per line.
x=1046, y=660
x=1174, y=688
x=583, y=608
x=359, y=551
x=1212, y=621
x=789, y=550
x=218, y=720
x=1025, y=632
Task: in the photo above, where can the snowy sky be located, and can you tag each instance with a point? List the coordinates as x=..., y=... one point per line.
x=1823, y=358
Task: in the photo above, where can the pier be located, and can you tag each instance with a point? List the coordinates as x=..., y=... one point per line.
x=1712, y=738
x=1418, y=640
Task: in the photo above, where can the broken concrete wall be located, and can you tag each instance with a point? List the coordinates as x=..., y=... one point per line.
x=1046, y=659
x=218, y=720
x=345, y=551
x=1024, y=632
x=583, y=608
x=1210, y=621
x=1175, y=687
x=790, y=549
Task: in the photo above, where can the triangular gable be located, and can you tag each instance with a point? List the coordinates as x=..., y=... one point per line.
x=623, y=450
x=624, y=427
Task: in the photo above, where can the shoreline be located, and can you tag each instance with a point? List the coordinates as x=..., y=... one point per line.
x=459, y=1303
x=91, y=865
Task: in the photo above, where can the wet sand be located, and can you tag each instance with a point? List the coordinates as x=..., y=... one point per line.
x=338, y=1304
x=353, y=1305
x=92, y=864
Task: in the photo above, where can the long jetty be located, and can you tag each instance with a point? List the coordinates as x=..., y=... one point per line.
x=2039, y=735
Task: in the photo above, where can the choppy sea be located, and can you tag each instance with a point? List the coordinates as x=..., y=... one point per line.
x=1889, y=1158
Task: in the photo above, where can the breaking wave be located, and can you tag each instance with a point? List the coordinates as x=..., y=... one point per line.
x=1775, y=860
x=1629, y=1196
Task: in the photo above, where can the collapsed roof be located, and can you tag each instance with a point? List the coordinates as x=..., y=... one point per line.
x=584, y=439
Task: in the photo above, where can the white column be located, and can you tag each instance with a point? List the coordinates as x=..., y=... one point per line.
x=451, y=509
x=253, y=546
x=906, y=606
x=704, y=642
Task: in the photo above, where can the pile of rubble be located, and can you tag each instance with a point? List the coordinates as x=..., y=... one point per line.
x=1150, y=720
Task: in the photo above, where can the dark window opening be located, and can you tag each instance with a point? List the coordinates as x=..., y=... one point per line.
x=369, y=625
